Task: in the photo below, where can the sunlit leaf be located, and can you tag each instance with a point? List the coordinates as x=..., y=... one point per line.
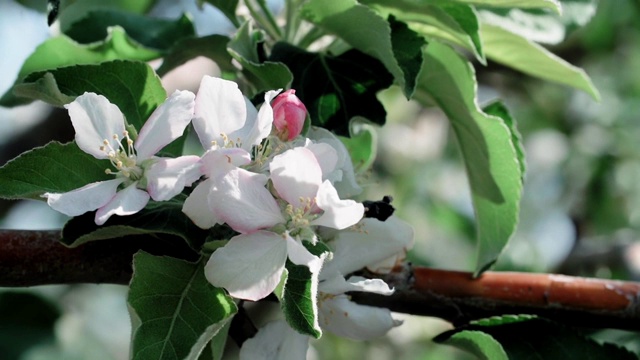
x=519, y=53
x=368, y=32
x=61, y=51
x=456, y=23
x=488, y=145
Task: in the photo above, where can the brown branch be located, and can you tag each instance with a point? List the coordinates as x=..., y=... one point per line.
x=29, y=258
x=457, y=297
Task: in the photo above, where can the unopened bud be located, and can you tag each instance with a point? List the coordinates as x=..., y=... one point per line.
x=289, y=114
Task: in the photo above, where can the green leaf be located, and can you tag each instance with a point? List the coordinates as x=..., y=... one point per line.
x=263, y=75
x=540, y=25
x=164, y=217
x=531, y=338
x=27, y=320
x=553, y=5
x=395, y=45
x=217, y=344
x=478, y=343
x=336, y=89
x=362, y=145
x=72, y=11
x=299, y=301
x=175, y=312
x=154, y=33
x=213, y=47
x=455, y=23
x=54, y=167
x=489, y=149
x=227, y=7
x=499, y=109
x=519, y=53
x=132, y=86
x=61, y=51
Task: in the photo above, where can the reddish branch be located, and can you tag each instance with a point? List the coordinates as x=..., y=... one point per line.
x=29, y=258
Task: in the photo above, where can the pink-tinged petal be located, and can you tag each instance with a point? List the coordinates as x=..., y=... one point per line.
x=241, y=199
x=372, y=242
x=327, y=158
x=296, y=174
x=87, y=198
x=347, y=319
x=258, y=127
x=249, y=266
x=95, y=119
x=275, y=341
x=165, y=124
x=218, y=162
x=196, y=207
x=220, y=109
x=167, y=177
x=338, y=214
x=127, y=201
x=338, y=285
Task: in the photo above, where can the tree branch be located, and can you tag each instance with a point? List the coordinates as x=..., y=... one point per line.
x=29, y=258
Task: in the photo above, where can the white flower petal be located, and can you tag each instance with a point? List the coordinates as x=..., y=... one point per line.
x=220, y=109
x=220, y=161
x=167, y=177
x=87, y=198
x=196, y=207
x=249, y=266
x=95, y=119
x=241, y=199
x=127, y=201
x=359, y=322
x=296, y=174
x=275, y=341
x=373, y=241
x=258, y=127
x=165, y=124
x=343, y=176
x=338, y=214
x=327, y=157
x=338, y=285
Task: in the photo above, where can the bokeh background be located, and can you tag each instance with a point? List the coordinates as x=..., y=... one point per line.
x=580, y=213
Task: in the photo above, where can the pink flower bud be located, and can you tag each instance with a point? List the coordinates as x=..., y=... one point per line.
x=289, y=114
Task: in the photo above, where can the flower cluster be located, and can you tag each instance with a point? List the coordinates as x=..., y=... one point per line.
x=282, y=191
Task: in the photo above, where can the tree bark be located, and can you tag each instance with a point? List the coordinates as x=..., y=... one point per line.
x=30, y=258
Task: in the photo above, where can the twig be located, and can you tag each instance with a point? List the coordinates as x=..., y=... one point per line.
x=457, y=297
x=29, y=258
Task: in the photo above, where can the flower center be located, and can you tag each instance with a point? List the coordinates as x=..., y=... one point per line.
x=226, y=143
x=122, y=158
x=300, y=217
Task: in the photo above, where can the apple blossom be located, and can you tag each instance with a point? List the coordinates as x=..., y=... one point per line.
x=240, y=199
x=229, y=127
x=139, y=174
x=289, y=115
